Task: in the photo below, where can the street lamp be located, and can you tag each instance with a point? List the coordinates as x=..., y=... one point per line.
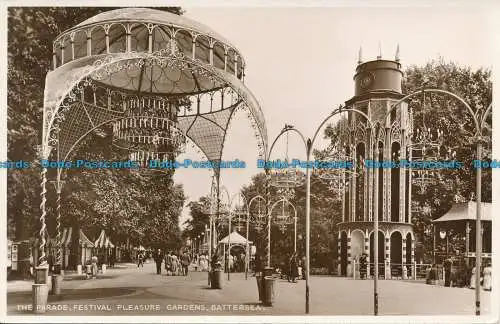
x=479, y=119
x=239, y=208
x=308, y=143
x=258, y=219
x=442, y=235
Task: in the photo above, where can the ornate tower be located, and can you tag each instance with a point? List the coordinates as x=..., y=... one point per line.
x=377, y=87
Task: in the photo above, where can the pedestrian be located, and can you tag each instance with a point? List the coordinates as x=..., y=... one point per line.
x=230, y=263
x=140, y=260
x=202, y=263
x=94, y=261
x=294, y=268
x=185, y=261
x=447, y=272
x=175, y=267
x=158, y=257
x=487, y=277
x=304, y=268
x=472, y=282
x=168, y=263
x=258, y=265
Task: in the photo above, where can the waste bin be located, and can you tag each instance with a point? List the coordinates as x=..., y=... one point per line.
x=259, y=285
x=57, y=280
x=40, y=290
x=268, y=271
x=216, y=279
x=269, y=284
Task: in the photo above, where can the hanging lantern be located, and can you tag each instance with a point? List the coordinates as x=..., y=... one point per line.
x=425, y=146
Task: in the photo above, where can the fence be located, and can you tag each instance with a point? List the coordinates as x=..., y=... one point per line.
x=388, y=270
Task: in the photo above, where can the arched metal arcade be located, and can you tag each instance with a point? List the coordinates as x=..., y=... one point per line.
x=159, y=79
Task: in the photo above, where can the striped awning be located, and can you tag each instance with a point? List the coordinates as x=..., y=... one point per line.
x=103, y=241
x=67, y=237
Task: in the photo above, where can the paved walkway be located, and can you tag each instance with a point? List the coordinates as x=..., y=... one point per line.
x=133, y=291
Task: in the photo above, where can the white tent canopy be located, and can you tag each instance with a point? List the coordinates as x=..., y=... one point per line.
x=103, y=241
x=234, y=238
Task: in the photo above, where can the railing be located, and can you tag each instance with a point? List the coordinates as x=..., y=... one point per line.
x=402, y=271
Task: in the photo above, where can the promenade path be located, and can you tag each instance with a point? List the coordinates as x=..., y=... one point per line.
x=129, y=290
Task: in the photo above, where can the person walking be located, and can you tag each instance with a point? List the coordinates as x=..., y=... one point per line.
x=487, y=277
x=140, y=260
x=94, y=261
x=158, y=257
x=185, y=261
x=168, y=263
x=294, y=268
x=472, y=281
x=447, y=272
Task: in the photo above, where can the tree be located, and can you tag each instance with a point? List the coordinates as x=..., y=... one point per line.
x=451, y=117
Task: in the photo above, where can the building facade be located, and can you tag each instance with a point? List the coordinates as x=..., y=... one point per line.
x=386, y=137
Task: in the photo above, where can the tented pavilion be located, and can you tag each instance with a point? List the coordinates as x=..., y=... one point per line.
x=235, y=239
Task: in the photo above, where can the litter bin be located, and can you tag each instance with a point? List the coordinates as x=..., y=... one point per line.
x=268, y=271
x=216, y=279
x=259, y=285
x=57, y=280
x=269, y=284
x=40, y=290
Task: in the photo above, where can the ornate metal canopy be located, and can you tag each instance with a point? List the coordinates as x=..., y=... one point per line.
x=283, y=213
x=156, y=77
x=425, y=146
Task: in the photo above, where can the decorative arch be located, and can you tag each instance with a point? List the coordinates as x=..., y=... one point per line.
x=396, y=253
x=97, y=40
x=202, y=48
x=161, y=37
x=219, y=55
x=357, y=243
x=139, y=37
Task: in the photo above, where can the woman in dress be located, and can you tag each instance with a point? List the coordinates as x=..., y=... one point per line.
x=472, y=284
x=487, y=277
x=175, y=267
x=294, y=268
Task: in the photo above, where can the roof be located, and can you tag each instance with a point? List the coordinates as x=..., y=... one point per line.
x=103, y=241
x=234, y=238
x=465, y=211
x=148, y=15
x=67, y=237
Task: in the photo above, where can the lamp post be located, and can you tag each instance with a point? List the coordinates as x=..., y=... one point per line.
x=479, y=120
x=443, y=235
x=308, y=143
x=230, y=211
x=253, y=200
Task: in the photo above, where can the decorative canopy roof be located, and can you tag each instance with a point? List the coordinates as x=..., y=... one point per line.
x=465, y=211
x=135, y=61
x=234, y=238
x=103, y=241
x=67, y=236
x=151, y=16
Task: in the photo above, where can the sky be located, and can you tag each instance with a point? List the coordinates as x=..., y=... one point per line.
x=300, y=64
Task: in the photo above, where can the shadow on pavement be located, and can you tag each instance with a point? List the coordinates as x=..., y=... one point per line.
x=25, y=297
x=83, y=277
